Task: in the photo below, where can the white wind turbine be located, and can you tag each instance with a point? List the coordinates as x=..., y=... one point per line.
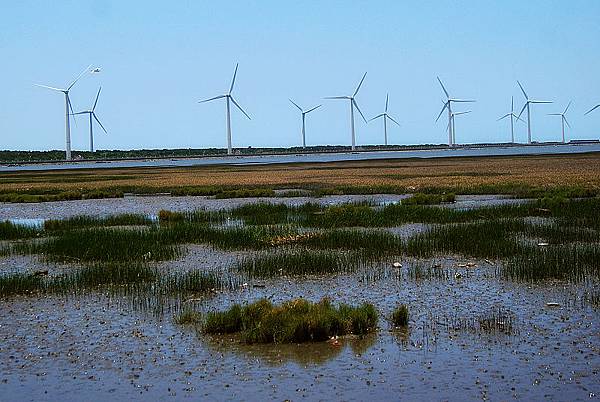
x=452, y=124
x=68, y=107
x=526, y=105
x=229, y=98
x=448, y=105
x=563, y=120
x=512, y=116
x=91, y=114
x=304, y=113
x=353, y=104
x=385, y=116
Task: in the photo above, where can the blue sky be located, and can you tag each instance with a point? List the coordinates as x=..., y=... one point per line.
x=159, y=58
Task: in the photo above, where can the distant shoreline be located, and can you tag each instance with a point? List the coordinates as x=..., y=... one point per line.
x=183, y=158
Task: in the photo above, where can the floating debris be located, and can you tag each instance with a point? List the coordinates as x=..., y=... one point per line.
x=397, y=265
x=552, y=304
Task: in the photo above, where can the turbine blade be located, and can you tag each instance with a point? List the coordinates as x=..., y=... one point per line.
x=538, y=101
x=360, y=83
x=518, y=118
x=97, y=96
x=463, y=100
x=79, y=76
x=70, y=106
x=212, y=99
x=522, y=110
x=442, y=111
x=314, y=108
x=96, y=117
x=459, y=113
x=357, y=108
x=566, y=121
x=337, y=97
x=554, y=114
x=591, y=110
x=233, y=80
x=378, y=116
x=299, y=108
x=567, y=108
x=524, y=93
x=75, y=114
x=46, y=86
x=392, y=119
x=512, y=104
x=443, y=87
x=504, y=117
x=387, y=98
x=239, y=107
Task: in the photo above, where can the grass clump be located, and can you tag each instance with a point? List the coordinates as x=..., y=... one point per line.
x=295, y=262
x=106, y=245
x=294, y=321
x=11, y=231
x=246, y=193
x=400, y=316
x=195, y=281
x=83, y=221
x=17, y=284
x=188, y=317
x=429, y=199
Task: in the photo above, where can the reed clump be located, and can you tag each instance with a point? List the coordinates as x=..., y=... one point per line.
x=429, y=199
x=84, y=221
x=400, y=316
x=11, y=231
x=294, y=321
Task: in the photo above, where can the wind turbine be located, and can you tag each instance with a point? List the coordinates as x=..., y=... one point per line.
x=448, y=105
x=592, y=109
x=68, y=107
x=91, y=114
x=563, y=120
x=512, y=116
x=229, y=98
x=452, y=124
x=353, y=104
x=385, y=116
x=304, y=113
x=526, y=105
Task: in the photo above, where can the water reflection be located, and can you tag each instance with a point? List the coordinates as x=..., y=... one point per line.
x=304, y=354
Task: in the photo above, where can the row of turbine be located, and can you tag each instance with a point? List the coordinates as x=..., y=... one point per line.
x=69, y=111
x=451, y=128
x=447, y=105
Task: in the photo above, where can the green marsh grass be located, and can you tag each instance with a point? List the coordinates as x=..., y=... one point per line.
x=295, y=321
x=84, y=221
x=106, y=245
x=11, y=231
x=400, y=316
x=296, y=262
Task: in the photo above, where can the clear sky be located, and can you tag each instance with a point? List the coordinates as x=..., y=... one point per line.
x=158, y=58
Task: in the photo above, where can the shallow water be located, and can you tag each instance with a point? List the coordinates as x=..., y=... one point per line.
x=470, y=150
x=121, y=345
x=99, y=345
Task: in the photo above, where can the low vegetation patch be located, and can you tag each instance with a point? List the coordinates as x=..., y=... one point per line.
x=429, y=199
x=400, y=316
x=295, y=321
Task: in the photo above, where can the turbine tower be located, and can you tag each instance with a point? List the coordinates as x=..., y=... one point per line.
x=592, y=109
x=563, y=120
x=68, y=107
x=512, y=116
x=229, y=98
x=92, y=114
x=448, y=105
x=452, y=124
x=385, y=116
x=304, y=113
x=353, y=105
x=528, y=102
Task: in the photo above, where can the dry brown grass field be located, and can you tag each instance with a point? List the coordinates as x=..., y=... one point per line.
x=462, y=174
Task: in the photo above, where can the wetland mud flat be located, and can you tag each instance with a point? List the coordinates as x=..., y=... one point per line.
x=473, y=332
